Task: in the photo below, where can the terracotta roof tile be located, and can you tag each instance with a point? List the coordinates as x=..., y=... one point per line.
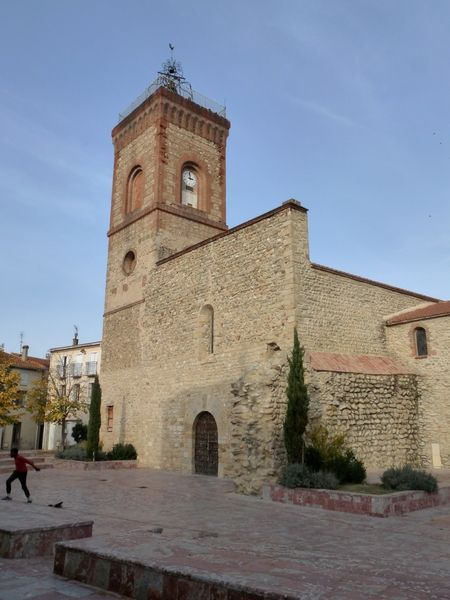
x=350, y=363
x=32, y=362
x=432, y=311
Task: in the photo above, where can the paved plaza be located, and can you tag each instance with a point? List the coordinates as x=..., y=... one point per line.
x=199, y=523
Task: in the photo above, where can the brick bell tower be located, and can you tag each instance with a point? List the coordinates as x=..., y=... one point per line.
x=168, y=183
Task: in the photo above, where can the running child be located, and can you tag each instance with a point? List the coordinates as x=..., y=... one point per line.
x=20, y=473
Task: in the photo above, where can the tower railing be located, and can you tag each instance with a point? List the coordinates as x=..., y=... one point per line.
x=185, y=92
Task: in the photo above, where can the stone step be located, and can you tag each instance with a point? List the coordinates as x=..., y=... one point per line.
x=143, y=565
x=27, y=530
x=34, y=458
x=42, y=465
x=27, y=453
x=41, y=460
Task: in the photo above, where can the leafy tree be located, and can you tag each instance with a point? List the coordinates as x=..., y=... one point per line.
x=296, y=418
x=9, y=391
x=79, y=432
x=93, y=436
x=37, y=399
x=64, y=397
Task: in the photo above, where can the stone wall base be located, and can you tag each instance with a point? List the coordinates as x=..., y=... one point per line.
x=386, y=505
x=26, y=542
x=98, y=465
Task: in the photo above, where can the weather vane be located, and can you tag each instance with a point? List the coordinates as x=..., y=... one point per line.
x=171, y=76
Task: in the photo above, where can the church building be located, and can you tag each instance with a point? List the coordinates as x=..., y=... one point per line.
x=199, y=318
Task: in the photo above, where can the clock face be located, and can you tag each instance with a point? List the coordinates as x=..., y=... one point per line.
x=189, y=178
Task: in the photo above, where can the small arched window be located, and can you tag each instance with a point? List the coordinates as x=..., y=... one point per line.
x=135, y=190
x=190, y=182
x=420, y=338
x=207, y=330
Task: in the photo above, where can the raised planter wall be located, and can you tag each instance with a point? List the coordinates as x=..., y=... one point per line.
x=98, y=465
x=387, y=505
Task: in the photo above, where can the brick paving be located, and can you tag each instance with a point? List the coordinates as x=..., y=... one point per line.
x=200, y=524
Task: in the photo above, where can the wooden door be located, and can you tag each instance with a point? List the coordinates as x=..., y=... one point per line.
x=206, y=445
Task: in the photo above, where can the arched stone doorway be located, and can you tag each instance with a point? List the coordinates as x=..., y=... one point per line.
x=206, y=447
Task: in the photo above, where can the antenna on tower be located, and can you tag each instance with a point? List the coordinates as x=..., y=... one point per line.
x=21, y=342
x=75, y=336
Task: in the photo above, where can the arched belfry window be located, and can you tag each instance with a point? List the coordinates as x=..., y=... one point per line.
x=420, y=338
x=135, y=190
x=206, y=330
x=190, y=183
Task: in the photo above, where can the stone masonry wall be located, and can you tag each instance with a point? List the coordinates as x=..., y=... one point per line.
x=247, y=279
x=140, y=151
x=338, y=313
x=183, y=146
x=257, y=280
x=378, y=414
x=434, y=381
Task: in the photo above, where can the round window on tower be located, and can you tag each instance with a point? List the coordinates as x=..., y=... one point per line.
x=129, y=262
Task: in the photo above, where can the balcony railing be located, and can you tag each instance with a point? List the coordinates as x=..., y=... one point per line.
x=91, y=368
x=76, y=369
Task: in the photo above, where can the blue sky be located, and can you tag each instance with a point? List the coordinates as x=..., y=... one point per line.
x=343, y=105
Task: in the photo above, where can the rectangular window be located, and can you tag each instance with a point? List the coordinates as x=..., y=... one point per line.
x=91, y=365
x=90, y=388
x=76, y=392
x=62, y=366
x=109, y=418
x=77, y=365
x=21, y=398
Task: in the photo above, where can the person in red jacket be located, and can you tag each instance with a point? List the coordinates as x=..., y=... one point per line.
x=20, y=473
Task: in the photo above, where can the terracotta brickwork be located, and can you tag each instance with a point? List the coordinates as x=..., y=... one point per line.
x=158, y=138
x=395, y=504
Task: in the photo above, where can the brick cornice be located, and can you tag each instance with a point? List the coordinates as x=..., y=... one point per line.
x=175, y=109
x=186, y=212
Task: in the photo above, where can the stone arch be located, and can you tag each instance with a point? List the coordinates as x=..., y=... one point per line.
x=202, y=201
x=135, y=189
x=206, y=444
x=190, y=195
x=420, y=341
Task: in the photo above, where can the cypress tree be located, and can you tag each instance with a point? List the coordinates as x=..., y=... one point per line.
x=296, y=418
x=93, y=436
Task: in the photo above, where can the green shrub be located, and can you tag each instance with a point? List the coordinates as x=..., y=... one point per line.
x=327, y=452
x=408, y=478
x=346, y=467
x=79, y=432
x=313, y=458
x=77, y=452
x=328, y=445
x=296, y=475
x=122, y=452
